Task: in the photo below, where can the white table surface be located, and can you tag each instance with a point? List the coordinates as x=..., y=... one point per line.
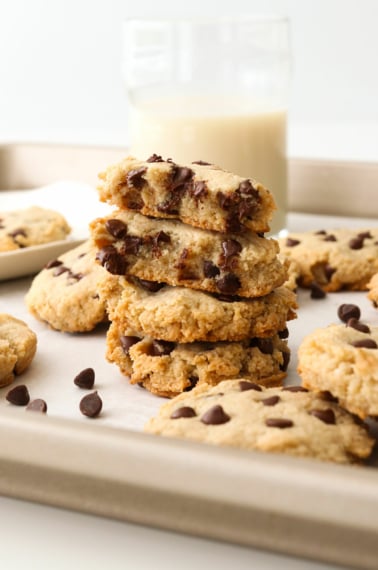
x=42, y=537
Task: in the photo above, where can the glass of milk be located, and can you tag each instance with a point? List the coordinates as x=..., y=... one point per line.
x=214, y=90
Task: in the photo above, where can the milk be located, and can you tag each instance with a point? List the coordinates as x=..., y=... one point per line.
x=250, y=142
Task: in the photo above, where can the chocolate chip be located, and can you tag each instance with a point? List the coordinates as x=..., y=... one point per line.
x=135, y=177
x=155, y=158
x=271, y=401
x=328, y=397
x=245, y=385
x=365, y=235
x=127, y=342
x=295, y=389
x=228, y=284
x=284, y=333
x=291, y=242
x=210, y=270
x=111, y=260
x=355, y=324
x=279, y=423
x=183, y=412
x=285, y=361
x=131, y=245
x=348, y=311
x=37, y=405
x=18, y=396
x=328, y=272
x=316, y=291
x=160, y=348
x=53, y=263
x=330, y=237
x=17, y=232
x=60, y=269
x=240, y=204
x=356, y=243
x=152, y=286
x=321, y=233
x=327, y=416
x=85, y=379
x=198, y=190
x=193, y=383
x=116, y=228
x=231, y=247
x=265, y=345
x=365, y=343
x=201, y=163
x=91, y=405
x=181, y=175
x=215, y=416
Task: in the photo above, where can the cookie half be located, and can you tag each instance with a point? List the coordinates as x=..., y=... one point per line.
x=31, y=226
x=168, y=368
x=239, y=413
x=18, y=344
x=65, y=293
x=171, y=252
x=198, y=194
x=343, y=360
x=183, y=315
x=334, y=259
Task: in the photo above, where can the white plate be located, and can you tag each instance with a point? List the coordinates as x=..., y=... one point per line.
x=77, y=202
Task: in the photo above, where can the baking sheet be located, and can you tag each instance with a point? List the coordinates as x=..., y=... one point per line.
x=106, y=466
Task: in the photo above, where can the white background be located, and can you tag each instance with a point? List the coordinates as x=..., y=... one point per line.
x=60, y=69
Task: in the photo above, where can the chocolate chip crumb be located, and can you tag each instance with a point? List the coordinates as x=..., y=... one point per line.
x=91, y=405
x=183, y=412
x=18, y=396
x=85, y=379
x=348, y=311
x=37, y=405
x=215, y=416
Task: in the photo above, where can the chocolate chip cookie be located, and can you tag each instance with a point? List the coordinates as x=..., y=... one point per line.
x=334, y=259
x=18, y=344
x=171, y=252
x=168, y=368
x=32, y=226
x=184, y=315
x=343, y=359
x=240, y=413
x=65, y=293
x=199, y=194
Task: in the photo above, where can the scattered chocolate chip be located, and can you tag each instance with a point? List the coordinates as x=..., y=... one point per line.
x=183, y=412
x=291, y=242
x=127, y=342
x=279, y=423
x=365, y=343
x=295, y=389
x=160, y=348
x=348, y=311
x=356, y=243
x=245, y=385
x=271, y=401
x=215, y=416
x=135, y=177
x=116, y=228
x=327, y=416
x=91, y=405
x=155, y=158
x=85, y=379
x=18, y=396
x=210, y=270
x=53, y=263
x=37, y=405
x=355, y=324
x=228, y=284
x=316, y=291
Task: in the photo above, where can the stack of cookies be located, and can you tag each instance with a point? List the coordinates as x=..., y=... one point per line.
x=194, y=291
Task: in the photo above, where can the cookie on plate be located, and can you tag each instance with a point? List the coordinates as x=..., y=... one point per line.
x=168, y=368
x=239, y=413
x=199, y=194
x=171, y=252
x=343, y=359
x=184, y=315
x=18, y=344
x=373, y=290
x=65, y=293
x=31, y=226
x=334, y=259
